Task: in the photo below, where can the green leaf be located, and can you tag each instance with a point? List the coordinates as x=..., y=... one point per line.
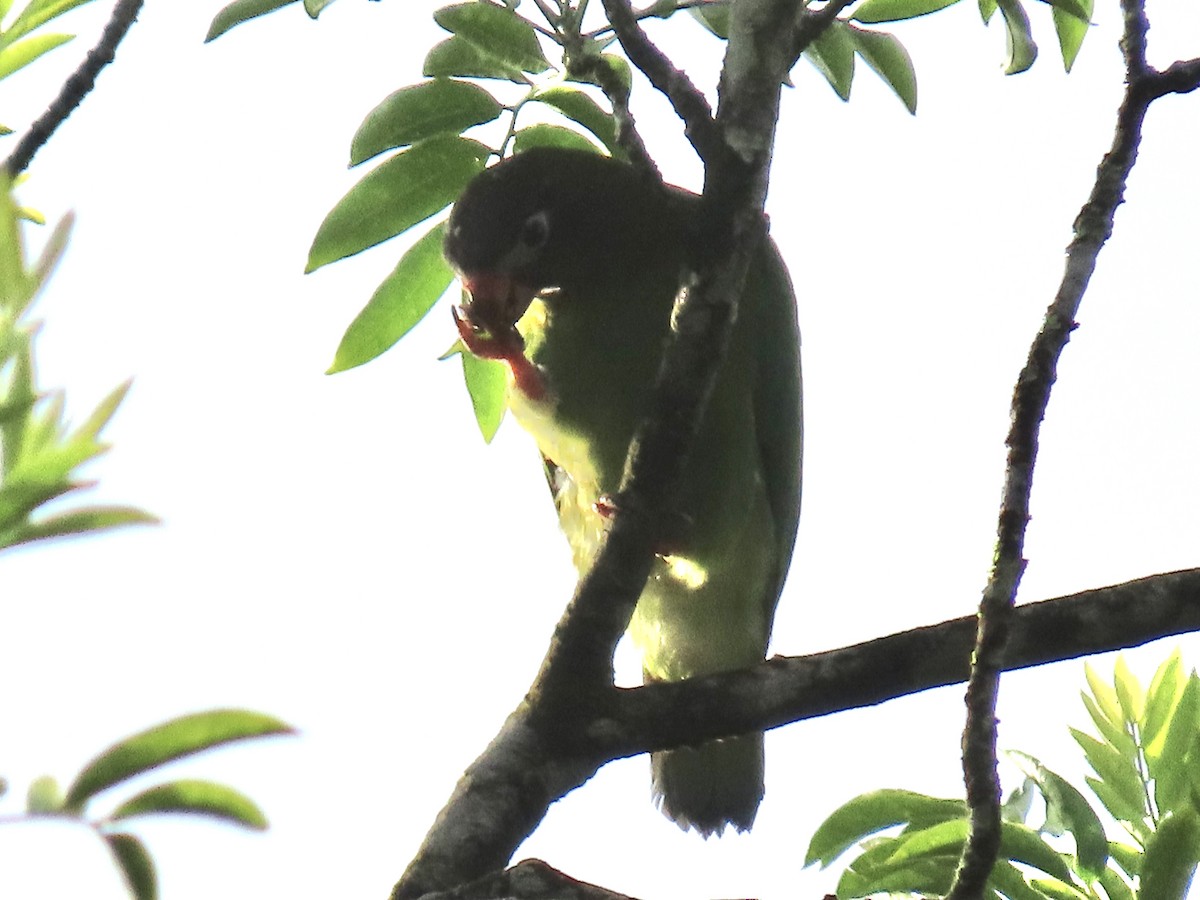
x=1058, y=890
x=455, y=57
x=1077, y=9
x=495, y=31
x=1018, y=843
x=404, y=190
x=164, y=743
x=1105, y=696
x=1071, y=31
x=1115, y=734
x=870, y=813
x=1067, y=805
x=1009, y=880
x=1116, y=887
x=987, y=9
x=887, y=56
x=419, y=111
x=36, y=14
x=88, y=520
x=832, y=53
x=714, y=18
x=487, y=385
x=875, y=11
x=618, y=70
x=135, y=864
x=1022, y=50
x=196, y=797
x=1129, y=691
x=314, y=8
x=44, y=796
x=17, y=56
x=1127, y=857
x=1171, y=857
x=579, y=107
x=1166, y=689
x=399, y=303
x=1117, y=773
x=241, y=11
x=551, y=136
x=1168, y=765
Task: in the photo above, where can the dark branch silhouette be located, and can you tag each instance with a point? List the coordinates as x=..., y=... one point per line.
x=1093, y=227
x=75, y=88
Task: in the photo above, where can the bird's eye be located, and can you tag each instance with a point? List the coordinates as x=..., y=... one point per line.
x=535, y=231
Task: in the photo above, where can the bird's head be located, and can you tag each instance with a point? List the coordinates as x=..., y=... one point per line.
x=544, y=221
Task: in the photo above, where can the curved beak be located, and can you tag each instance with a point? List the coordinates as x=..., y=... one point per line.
x=487, y=319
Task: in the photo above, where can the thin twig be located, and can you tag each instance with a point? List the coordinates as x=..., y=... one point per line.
x=1092, y=229
x=688, y=100
x=75, y=88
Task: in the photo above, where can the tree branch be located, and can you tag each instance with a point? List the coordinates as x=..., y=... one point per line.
x=688, y=101
x=75, y=88
x=1093, y=227
x=507, y=791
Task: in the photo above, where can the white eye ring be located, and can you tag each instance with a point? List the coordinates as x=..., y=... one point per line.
x=536, y=231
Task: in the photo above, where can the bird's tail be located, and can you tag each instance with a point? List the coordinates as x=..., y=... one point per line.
x=708, y=787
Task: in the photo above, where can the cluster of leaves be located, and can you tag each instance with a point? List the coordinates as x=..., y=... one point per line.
x=38, y=452
x=494, y=66
x=136, y=755
x=1146, y=759
x=19, y=46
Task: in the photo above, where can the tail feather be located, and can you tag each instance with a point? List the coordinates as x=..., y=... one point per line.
x=708, y=787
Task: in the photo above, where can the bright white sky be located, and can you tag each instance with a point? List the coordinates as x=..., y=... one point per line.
x=344, y=552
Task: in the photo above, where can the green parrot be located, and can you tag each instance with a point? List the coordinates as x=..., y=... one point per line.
x=571, y=262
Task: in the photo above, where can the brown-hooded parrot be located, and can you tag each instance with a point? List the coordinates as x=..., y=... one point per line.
x=571, y=262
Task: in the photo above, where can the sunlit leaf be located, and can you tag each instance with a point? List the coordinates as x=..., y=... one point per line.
x=172, y=740
x=402, y=191
x=496, y=31
x=1116, y=735
x=135, y=864
x=487, y=385
x=1117, y=773
x=399, y=303
x=1165, y=690
x=44, y=796
x=1104, y=695
x=195, y=797
x=1071, y=31
x=87, y=520
x=1168, y=766
x=419, y=111
x=241, y=11
x=1129, y=691
x=874, y=11
x=17, y=56
x=314, y=8
x=36, y=14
